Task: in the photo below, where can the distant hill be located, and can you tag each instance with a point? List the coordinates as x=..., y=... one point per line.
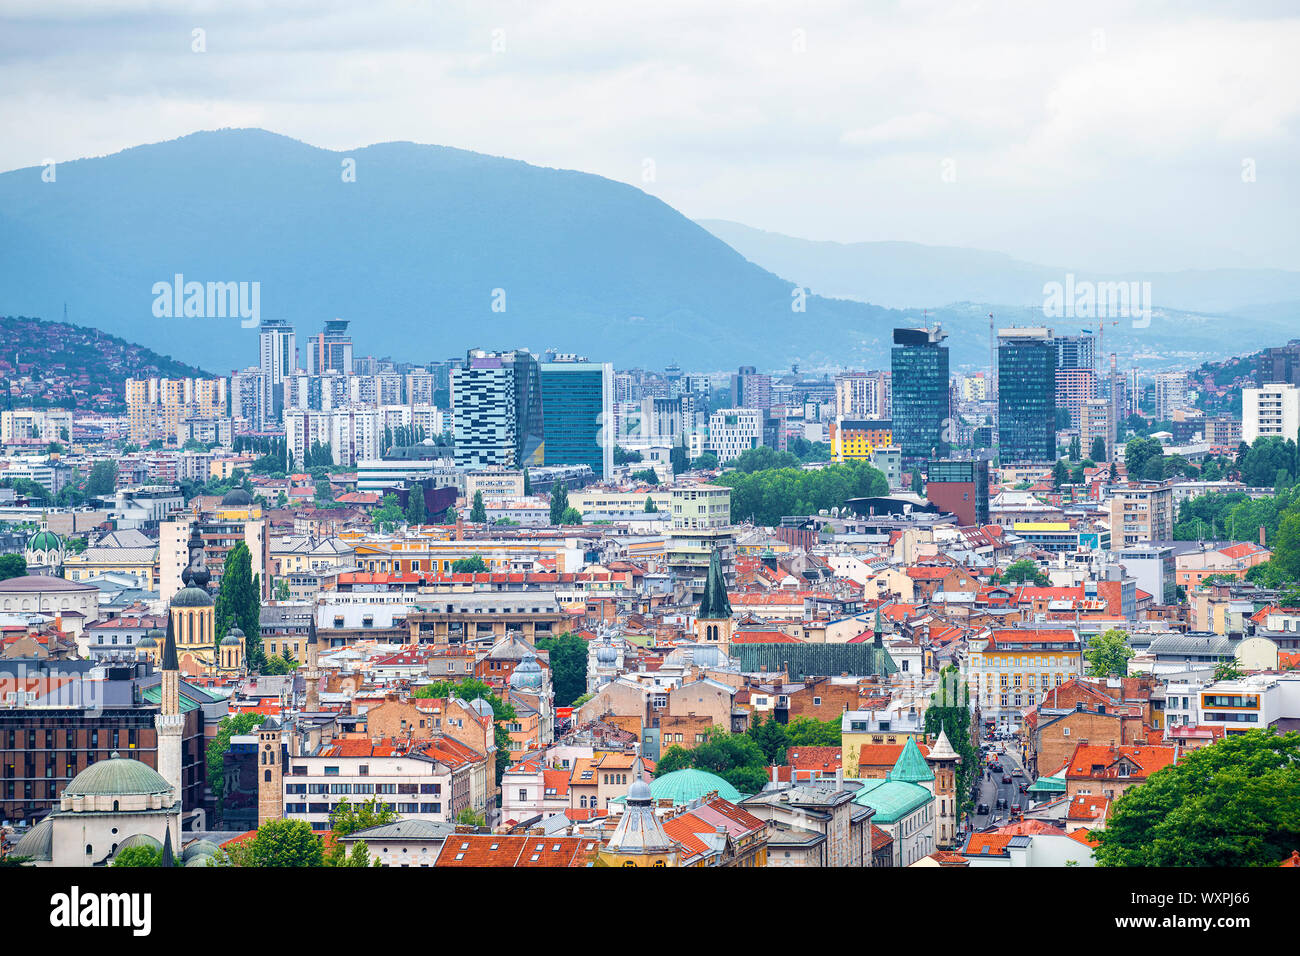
x=912, y=275
x=56, y=364
x=411, y=253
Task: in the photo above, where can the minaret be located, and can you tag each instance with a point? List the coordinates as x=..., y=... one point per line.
x=311, y=674
x=169, y=722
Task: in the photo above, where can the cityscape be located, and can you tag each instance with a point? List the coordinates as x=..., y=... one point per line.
x=410, y=507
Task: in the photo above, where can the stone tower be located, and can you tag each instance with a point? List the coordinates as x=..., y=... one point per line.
x=170, y=722
x=311, y=672
x=270, y=772
x=943, y=761
x=713, y=623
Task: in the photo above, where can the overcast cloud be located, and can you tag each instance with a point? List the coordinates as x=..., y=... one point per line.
x=1082, y=135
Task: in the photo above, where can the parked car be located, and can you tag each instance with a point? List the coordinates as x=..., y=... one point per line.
x=982, y=809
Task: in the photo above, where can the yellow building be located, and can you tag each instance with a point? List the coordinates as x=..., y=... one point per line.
x=199, y=653
x=1009, y=669
x=855, y=440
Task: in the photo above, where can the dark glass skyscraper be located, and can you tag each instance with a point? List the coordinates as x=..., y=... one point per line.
x=1026, y=395
x=919, y=367
x=577, y=413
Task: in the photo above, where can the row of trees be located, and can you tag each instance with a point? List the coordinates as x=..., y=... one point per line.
x=403, y=436
x=764, y=496
x=561, y=513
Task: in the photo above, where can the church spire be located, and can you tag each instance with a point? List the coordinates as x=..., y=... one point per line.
x=169, y=662
x=715, y=605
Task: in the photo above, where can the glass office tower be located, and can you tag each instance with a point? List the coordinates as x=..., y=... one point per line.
x=919, y=367
x=577, y=414
x=1026, y=395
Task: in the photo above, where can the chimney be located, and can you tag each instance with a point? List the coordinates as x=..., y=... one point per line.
x=1261, y=536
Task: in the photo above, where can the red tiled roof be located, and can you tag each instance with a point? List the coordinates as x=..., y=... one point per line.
x=483, y=849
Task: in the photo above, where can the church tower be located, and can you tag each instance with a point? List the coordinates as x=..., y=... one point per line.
x=713, y=623
x=270, y=772
x=170, y=722
x=943, y=761
x=311, y=673
x=193, y=612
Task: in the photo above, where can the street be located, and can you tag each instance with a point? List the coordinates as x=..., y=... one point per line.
x=991, y=788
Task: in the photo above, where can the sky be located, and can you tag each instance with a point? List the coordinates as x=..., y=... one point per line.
x=1105, y=136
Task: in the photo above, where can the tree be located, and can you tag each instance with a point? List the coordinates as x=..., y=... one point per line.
x=766, y=496
x=650, y=506
x=1060, y=474
x=1138, y=452
x=623, y=456
x=1098, y=450
x=282, y=592
x=1233, y=803
x=645, y=476
x=528, y=485
x=707, y=461
x=478, y=511
x=470, y=817
x=559, y=503
x=918, y=486
x=280, y=843
x=138, y=856
x=1228, y=670
x=239, y=603
x=1075, y=452
x=1022, y=571
x=12, y=566
x=278, y=664
x=1108, y=654
x=346, y=819
x=771, y=737
x=471, y=565
x=102, y=479
x=232, y=725
x=415, y=514
x=810, y=732
x=568, y=661
x=950, y=711
x=737, y=758
x=571, y=516
x=388, y=514
x=452, y=515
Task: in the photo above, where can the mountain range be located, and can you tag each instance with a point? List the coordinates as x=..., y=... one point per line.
x=430, y=250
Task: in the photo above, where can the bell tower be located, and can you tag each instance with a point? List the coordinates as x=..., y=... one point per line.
x=713, y=622
x=270, y=772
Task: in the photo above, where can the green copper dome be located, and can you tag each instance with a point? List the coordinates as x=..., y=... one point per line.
x=44, y=540
x=911, y=766
x=683, y=786
x=116, y=775
x=192, y=597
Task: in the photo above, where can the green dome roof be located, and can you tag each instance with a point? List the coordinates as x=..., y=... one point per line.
x=139, y=839
x=116, y=775
x=237, y=498
x=683, y=786
x=911, y=766
x=38, y=842
x=44, y=540
x=200, y=848
x=192, y=597
x=146, y=641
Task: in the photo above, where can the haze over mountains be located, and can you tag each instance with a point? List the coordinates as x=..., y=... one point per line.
x=413, y=251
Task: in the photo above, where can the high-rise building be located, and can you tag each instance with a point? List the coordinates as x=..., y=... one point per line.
x=1097, y=420
x=862, y=395
x=751, y=389
x=733, y=431
x=1279, y=365
x=1074, y=387
x=1270, y=410
x=578, y=414
x=155, y=406
x=1026, y=395
x=920, y=401
x=1075, y=352
x=278, y=359
x=331, y=350
x=1171, y=394
x=483, y=412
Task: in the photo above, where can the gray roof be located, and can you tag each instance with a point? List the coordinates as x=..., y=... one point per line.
x=404, y=830
x=1181, y=644
x=38, y=842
